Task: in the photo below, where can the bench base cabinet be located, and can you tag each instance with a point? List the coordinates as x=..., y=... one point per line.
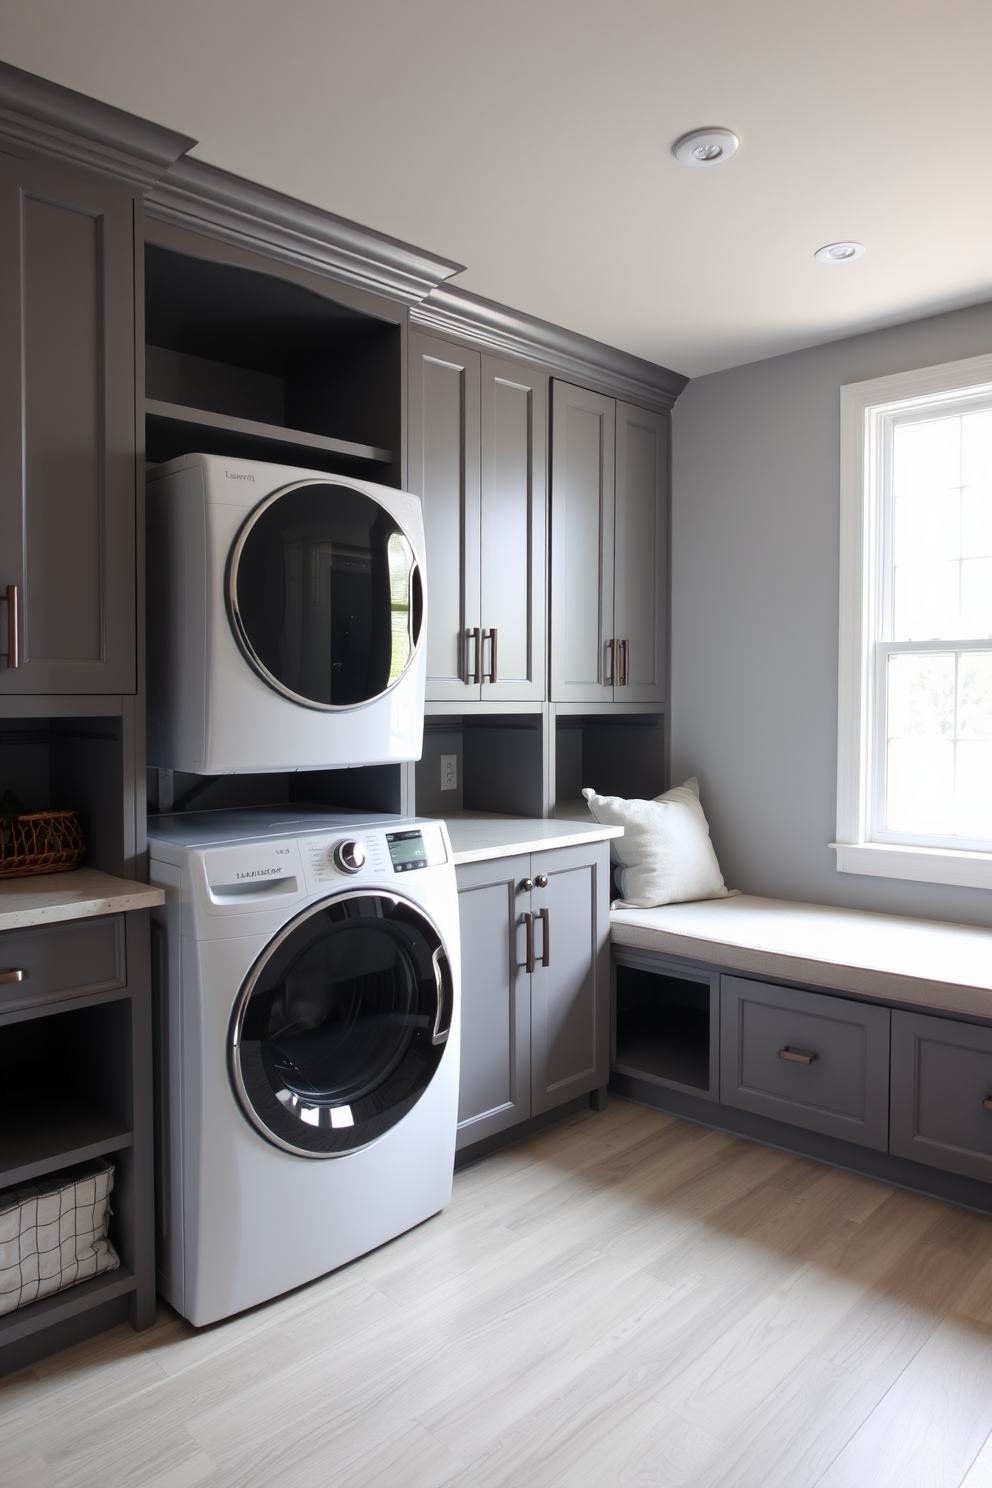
x=942, y=1093
x=807, y=1058
x=535, y=985
x=912, y=1090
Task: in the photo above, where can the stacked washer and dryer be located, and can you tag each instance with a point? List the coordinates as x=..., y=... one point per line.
x=308, y=967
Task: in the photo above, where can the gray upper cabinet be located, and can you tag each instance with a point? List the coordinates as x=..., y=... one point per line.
x=67, y=432
x=640, y=562
x=477, y=458
x=583, y=435
x=609, y=534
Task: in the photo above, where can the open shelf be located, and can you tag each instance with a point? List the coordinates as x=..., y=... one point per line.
x=171, y=425
x=662, y=1028
x=617, y=754
x=75, y=1299
x=40, y=1135
x=254, y=365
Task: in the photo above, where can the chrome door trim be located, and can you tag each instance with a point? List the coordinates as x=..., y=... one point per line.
x=250, y=982
x=234, y=614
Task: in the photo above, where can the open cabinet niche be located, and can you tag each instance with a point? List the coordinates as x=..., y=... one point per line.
x=614, y=755
x=491, y=763
x=249, y=364
x=371, y=788
x=80, y=764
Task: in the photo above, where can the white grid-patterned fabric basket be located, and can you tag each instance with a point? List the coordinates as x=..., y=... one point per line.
x=53, y=1233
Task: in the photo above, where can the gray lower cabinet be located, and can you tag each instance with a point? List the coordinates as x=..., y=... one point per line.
x=806, y=1058
x=67, y=432
x=609, y=549
x=477, y=460
x=535, y=985
x=942, y=1093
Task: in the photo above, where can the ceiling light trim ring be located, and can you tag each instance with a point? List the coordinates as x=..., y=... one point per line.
x=705, y=147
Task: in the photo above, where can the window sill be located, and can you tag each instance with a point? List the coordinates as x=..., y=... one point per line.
x=970, y=870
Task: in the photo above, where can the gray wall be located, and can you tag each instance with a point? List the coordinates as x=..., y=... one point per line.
x=754, y=611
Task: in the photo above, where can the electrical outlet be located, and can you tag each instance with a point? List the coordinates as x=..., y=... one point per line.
x=449, y=772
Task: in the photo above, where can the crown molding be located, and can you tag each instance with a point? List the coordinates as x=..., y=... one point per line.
x=456, y=312
x=40, y=115
x=208, y=200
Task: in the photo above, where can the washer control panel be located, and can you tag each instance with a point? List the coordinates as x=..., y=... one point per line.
x=372, y=853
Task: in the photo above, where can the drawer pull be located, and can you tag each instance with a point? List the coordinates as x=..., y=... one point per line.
x=13, y=974
x=797, y=1056
x=546, y=943
x=987, y=1103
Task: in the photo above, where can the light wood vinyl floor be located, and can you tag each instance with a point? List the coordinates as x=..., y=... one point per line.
x=626, y=1299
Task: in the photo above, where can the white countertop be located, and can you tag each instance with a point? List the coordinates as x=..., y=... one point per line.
x=478, y=838
x=927, y=962
x=45, y=898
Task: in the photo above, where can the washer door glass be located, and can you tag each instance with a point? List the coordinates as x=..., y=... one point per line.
x=341, y=1024
x=324, y=595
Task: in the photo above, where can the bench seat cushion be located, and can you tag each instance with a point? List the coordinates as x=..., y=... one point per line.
x=921, y=962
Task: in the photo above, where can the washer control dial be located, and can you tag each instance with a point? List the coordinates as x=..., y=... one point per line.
x=349, y=856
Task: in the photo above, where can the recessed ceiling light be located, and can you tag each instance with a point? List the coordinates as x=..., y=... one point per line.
x=839, y=252
x=705, y=146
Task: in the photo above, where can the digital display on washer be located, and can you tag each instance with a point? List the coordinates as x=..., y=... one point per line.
x=406, y=850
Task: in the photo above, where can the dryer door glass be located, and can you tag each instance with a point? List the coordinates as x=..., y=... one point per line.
x=324, y=595
x=341, y=1024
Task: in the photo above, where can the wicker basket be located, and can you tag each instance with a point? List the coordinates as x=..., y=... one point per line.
x=40, y=842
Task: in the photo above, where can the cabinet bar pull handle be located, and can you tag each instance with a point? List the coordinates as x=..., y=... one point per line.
x=624, y=663
x=529, y=922
x=546, y=946
x=476, y=636
x=796, y=1055
x=986, y=1103
x=14, y=974
x=491, y=637
x=612, y=648
x=13, y=626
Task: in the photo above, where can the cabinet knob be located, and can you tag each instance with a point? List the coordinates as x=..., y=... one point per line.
x=526, y=884
x=541, y=880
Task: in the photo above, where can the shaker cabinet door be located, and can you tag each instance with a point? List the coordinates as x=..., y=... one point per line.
x=570, y=987
x=640, y=564
x=583, y=658
x=67, y=432
x=514, y=519
x=942, y=1093
x=494, y=1090
x=444, y=472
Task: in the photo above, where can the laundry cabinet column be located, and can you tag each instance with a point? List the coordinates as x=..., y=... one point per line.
x=67, y=432
x=609, y=553
x=477, y=459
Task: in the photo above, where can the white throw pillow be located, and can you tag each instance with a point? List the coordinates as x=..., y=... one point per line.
x=665, y=853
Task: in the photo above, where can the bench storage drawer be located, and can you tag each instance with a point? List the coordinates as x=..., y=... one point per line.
x=806, y=1058
x=941, y=1075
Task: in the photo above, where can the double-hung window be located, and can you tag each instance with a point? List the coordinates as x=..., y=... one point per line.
x=914, y=793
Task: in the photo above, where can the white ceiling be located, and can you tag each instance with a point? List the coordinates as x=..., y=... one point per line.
x=530, y=140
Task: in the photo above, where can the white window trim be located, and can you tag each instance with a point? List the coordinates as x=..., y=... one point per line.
x=861, y=404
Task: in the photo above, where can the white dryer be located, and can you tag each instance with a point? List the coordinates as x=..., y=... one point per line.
x=285, y=614
x=308, y=1027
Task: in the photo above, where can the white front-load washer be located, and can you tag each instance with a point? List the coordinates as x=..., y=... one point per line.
x=307, y=1006
x=286, y=609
